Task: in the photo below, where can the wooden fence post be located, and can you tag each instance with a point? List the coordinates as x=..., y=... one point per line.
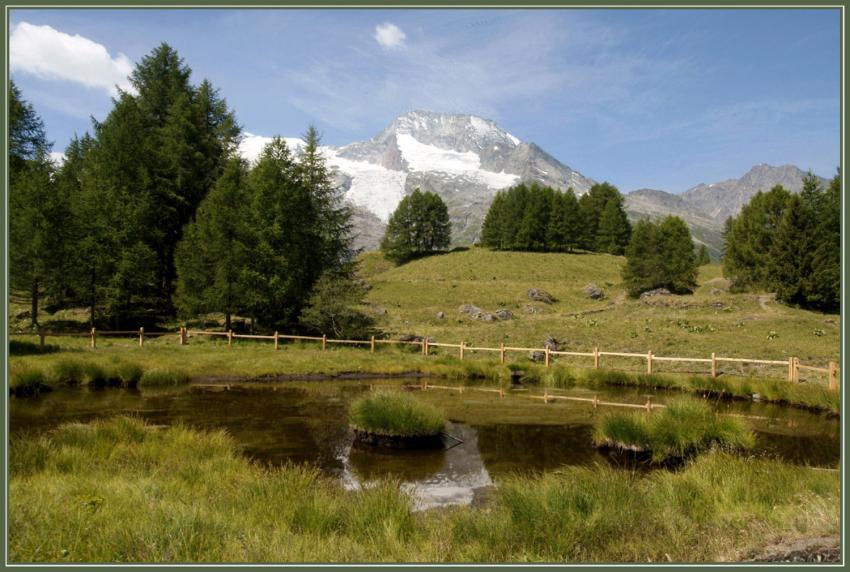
x=424, y=347
x=595, y=401
x=427, y=347
x=324, y=342
x=649, y=403
x=796, y=370
x=141, y=337
x=833, y=376
x=502, y=353
x=94, y=338
x=372, y=345
x=790, y=369
x=596, y=357
x=184, y=332
x=461, y=351
x=649, y=361
x=276, y=340
x=547, y=356
x=229, y=338
x=713, y=365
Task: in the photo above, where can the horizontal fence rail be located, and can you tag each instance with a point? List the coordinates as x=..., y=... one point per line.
x=544, y=354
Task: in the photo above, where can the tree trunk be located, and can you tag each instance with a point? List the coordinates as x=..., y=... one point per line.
x=227, y=322
x=93, y=299
x=34, y=308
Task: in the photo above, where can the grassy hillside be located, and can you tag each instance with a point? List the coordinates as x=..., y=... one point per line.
x=406, y=299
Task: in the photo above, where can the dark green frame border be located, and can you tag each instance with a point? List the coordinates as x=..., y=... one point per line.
x=384, y=4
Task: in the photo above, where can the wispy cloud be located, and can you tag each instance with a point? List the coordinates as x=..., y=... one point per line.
x=518, y=62
x=389, y=35
x=53, y=55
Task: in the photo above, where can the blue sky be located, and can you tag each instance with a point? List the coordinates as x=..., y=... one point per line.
x=642, y=98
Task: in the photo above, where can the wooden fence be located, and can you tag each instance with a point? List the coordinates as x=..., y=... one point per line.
x=792, y=365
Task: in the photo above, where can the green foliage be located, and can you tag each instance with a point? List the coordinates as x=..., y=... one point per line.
x=162, y=377
x=684, y=427
x=208, y=495
x=211, y=258
x=660, y=255
x=419, y=226
x=332, y=308
x=27, y=138
x=702, y=256
x=541, y=219
x=396, y=414
x=789, y=244
x=749, y=238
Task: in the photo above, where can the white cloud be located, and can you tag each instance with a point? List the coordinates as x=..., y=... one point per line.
x=389, y=35
x=50, y=54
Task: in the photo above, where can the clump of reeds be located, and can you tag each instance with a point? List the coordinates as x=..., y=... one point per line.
x=395, y=414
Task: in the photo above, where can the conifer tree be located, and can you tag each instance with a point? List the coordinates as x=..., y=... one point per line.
x=702, y=257
x=419, y=226
x=824, y=283
x=613, y=230
x=789, y=262
x=660, y=255
x=749, y=238
x=212, y=256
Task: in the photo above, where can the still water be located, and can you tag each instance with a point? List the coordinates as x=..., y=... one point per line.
x=490, y=436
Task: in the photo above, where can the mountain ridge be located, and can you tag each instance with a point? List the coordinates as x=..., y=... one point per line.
x=467, y=159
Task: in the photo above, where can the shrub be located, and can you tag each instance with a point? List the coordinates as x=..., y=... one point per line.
x=395, y=414
x=164, y=377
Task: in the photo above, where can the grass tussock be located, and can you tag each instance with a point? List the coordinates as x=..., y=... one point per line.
x=164, y=377
x=25, y=348
x=395, y=414
x=683, y=428
x=121, y=491
x=26, y=382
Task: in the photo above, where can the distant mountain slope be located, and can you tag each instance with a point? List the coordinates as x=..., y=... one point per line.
x=706, y=207
x=466, y=159
x=463, y=158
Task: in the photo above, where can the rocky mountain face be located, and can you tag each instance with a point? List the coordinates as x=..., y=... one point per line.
x=706, y=207
x=463, y=158
x=467, y=159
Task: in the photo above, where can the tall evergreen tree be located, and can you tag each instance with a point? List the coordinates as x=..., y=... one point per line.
x=613, y=230
x=749, y=238
x=789, y=262
x=702, y=256
x=211, y=258
x=27, y=138
x=824, y=283
x=660, y=255
x=419, y=226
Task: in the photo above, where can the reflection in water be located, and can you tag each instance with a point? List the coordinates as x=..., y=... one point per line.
x=306, y=422
x=449, y=476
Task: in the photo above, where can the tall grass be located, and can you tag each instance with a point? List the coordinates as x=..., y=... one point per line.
x=395, y=414
x=162, y=377
x=684, y=427
x=121, y=491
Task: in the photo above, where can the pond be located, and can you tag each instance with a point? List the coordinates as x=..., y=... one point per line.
x=490, y=436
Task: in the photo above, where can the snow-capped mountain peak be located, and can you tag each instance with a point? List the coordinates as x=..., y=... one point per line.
x=464, y=158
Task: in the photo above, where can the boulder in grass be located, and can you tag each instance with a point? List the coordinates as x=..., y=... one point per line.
x=655, y=292
x=537, y=295
x=552, y=343
x=504, y=314
x=594, y=292
x=537, y=356
x=440, y=315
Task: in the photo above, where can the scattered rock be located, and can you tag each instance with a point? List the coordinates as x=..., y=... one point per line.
x=363, y=284
x=504, y=314
x=537, y=356
x=529, y=309
x=655, y=292
x=593, y=291
x=715, y=292
x=538, y=295
x=756, y=397
x=440, y=315
x=485, y=317
x=552, y=343
x=469, y=309
x=717, y=305
x=410, y=338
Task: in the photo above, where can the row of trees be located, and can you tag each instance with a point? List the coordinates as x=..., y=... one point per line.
x=789, y=244
x=541, y=219
x=153, y=212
